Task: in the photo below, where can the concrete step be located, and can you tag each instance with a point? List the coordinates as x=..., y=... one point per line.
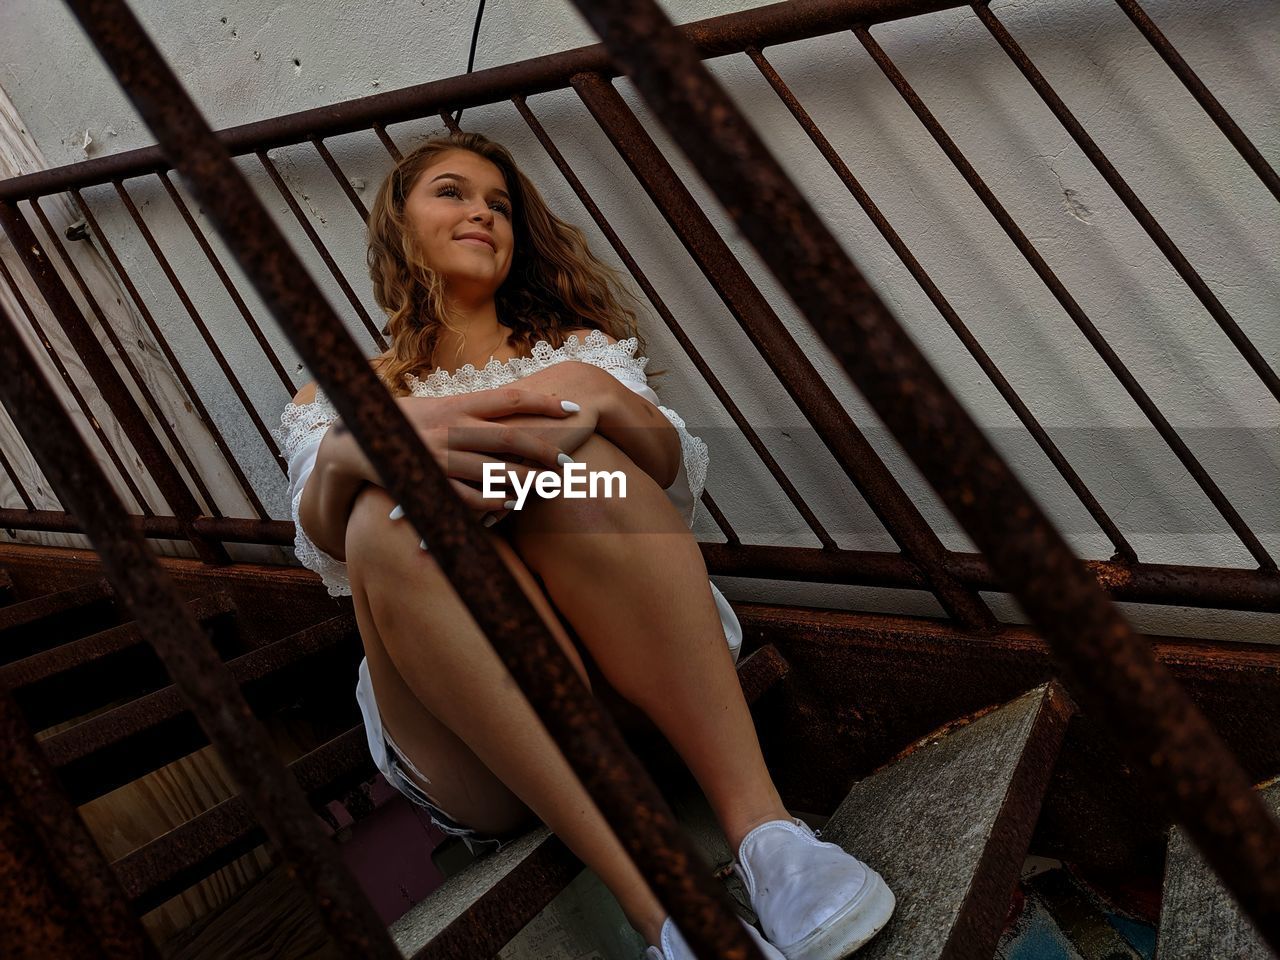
x=1199, y=919
x=948, y=822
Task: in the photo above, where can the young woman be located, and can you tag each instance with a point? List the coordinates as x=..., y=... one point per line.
x=498, y=315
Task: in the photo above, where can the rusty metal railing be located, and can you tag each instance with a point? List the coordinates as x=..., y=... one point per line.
x=955, y=579
x=1111, y=671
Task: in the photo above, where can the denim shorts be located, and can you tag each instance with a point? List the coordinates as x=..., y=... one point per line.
x=476, y=842
x=392, y=762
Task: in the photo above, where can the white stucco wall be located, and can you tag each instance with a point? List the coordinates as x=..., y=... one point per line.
x=249, y=60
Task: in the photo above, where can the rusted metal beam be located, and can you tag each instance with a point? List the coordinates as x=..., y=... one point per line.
x=1221, y=588
x=627, y=797
x=775, y=23
x=1108, y=668
x=58, y=895
x=189, y=391
x=230, y=529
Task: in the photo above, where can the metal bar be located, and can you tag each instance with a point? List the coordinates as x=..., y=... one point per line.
x=341, y=177
x=1218, y=588
x=122, y=472
x=13, y=478
x=339, y=277
x=686, y=344
x=387, y=142
x=139, y=381
x=1207, y=100
x=227, y=285
x=188, y=389
x=72, y=905
x=1176, y=258
x=230, y=529
x=1123, y=548
x=791, y=365
x=731, y=535
x=774, y=23
x=210, y=341
x=187, y=654
x=611, y=774
x=1068, y=302
x=1111, y=671
x=109, y=383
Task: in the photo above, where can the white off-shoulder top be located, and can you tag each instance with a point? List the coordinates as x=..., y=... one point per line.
x=302, y=427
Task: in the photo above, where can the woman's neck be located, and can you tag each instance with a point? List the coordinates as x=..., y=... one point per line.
x=481, y=337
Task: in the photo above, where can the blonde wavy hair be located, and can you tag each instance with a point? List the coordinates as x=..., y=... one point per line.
x=555, y=283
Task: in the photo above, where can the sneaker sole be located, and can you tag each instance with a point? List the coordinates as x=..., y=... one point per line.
x=849, y=929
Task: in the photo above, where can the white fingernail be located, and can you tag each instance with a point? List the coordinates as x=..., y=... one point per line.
x=422, y=544
x=569, y=406
x=490, y=519
x=397, y=513
x=564, y=458
x=509, y=505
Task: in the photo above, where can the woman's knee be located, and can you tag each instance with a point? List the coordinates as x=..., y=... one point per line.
x=622, y=499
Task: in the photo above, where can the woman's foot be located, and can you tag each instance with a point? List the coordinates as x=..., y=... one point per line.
x=673, y=946
x=814, y=900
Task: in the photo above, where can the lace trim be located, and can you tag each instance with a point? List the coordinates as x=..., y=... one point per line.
x=696, y=458
x=333, y=572
x=618, y=358
x=299, y=422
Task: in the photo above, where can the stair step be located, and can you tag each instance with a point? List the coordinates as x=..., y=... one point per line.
x=187, y=854
x=111, y=749
x=1198, y=917
x=7, y=593
x=56, y=685
x=947, y=824
x=43, y=622
x=478, y=910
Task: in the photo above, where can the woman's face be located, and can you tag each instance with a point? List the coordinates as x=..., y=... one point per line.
x=462, y=193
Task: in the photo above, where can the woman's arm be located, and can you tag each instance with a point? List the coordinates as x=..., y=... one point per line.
x=340, y=472
x=626, y=419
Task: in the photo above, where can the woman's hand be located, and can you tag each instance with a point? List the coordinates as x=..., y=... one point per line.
x=521, y=430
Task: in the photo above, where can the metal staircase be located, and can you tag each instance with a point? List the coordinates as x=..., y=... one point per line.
x=943, y=750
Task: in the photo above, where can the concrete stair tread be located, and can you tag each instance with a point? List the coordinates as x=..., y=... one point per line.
x=948, y=823
x=1199, y=919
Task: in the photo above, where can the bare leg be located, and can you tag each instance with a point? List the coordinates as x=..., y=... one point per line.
x=450, y=704
x=628, y=576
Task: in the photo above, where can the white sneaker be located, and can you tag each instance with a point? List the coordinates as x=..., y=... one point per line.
x=674, y=948
x=814, y=901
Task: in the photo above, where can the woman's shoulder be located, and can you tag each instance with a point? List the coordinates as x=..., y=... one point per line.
x=308, y=393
